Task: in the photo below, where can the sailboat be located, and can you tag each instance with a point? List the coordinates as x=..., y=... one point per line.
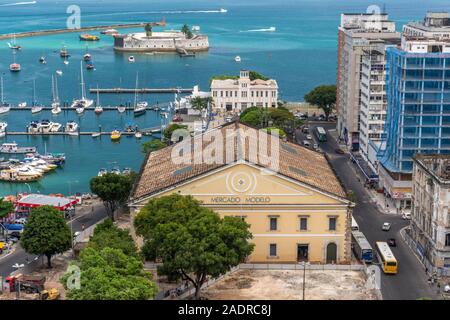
x=4, y=107
x=56, y=105
x=87, y=56
x=35, y=108
x=14, y=67
x=14, y=45
x=98, y=108
x=83, y=102
x=139, y=108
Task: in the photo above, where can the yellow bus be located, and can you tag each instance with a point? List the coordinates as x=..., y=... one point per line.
x=386, y=258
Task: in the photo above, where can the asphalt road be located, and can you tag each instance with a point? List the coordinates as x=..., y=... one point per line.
x=410, y=282
x=21, y=257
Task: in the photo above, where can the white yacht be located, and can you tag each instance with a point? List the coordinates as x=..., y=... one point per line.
x=71, y=126
x=55, y=126
x=131, y=59
x=22, y=105
x=141, y=107
x=56, y=104
x=34, y=127
x=222, y=10
x=36, y=109
x=83, y=102
x=121, y=108
x=3, y=126
x=237, y=59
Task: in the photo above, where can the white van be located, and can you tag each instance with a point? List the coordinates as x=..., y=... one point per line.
x=355, y=226
x=306, y=143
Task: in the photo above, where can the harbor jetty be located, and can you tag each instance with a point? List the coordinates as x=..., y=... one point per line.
x=89, y=28
x=141, y=90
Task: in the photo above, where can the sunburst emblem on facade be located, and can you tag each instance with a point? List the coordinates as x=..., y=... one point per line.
x=241, y=182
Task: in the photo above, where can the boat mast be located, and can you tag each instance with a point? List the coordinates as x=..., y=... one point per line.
x=56, y=89
x=135, y=91
x=98, y=97
x=1, y=84
x=53, y=88
x=83, y=90
x=34, y=92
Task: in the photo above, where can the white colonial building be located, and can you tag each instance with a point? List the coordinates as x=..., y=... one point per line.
x=239, y=94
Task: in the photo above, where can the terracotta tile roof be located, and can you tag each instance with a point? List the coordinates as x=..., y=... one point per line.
x=296, y=162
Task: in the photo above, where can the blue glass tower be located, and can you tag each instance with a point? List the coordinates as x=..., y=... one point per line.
x=418, y=113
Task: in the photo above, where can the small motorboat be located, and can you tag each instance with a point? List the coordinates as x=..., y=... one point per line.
x=36, y=109
x=102, y=172
x=96, y=135
x=42, y=60
x=59, y=72
x=15, y=67
x=66, y=62
x=56, y=109
x=3, y=126
x=121, y=108
x=126, y=171
x=4, y=108
x=89, y=37
x=109, y=31
x=87, y=57
x=22, y=105
x=79, y=110
x=64, y=53
x=131, y=59
x=138, y=135
x=237, y=59
x=71, y=127
x=115, y=170
x=115, y=135
x=90, y=66
x=98, y=109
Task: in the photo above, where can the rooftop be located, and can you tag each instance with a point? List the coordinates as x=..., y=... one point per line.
x=159, y=172
x=36, y=200
x=437, y=165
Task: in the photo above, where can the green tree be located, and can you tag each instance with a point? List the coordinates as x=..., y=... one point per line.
x=192, y=241
x=187, y=31
x=6, y=208
x=324, y=97
x=152, y=145
x=108, y=235
x=198, y=103
x=113, y=189
x=46, y=232
x=280, y=132
x=252, y=118
x=253, y=75
x=171, y=128
x=110, y=274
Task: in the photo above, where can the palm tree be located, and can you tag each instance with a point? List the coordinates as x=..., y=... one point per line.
x=185, y=29
x=148, y=29
x=198, y=103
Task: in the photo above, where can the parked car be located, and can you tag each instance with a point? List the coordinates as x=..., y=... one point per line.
x=309, y=137
x=305, y=130
x=406, y=216
x=339, y=151
x=391, y=242
x=229, y=119
x=21, y=220
x=316, y=146
x=386, y=226
x=306, y=143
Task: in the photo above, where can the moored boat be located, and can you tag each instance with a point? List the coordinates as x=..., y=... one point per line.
x=83, y=102
x=14, y=148
x=115, y=135
x=89, y=37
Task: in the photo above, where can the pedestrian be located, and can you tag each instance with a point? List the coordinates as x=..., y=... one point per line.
x=82, y=227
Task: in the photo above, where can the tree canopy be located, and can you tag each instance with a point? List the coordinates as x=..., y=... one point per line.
x=253, y=75
x=110, y=274
x=324, y=97
x=192, y=241
x=280, y=117
x=6, y=208
x=108, y=235
x=171, y=128
x=187, y=31
x=113, y=189
x=46, y=232
x=152, y=145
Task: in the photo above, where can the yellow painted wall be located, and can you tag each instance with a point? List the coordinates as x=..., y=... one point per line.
x=243, y=190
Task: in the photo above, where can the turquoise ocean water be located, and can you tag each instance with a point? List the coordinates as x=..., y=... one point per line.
x=300, y=55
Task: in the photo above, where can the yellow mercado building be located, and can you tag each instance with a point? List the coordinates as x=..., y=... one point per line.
x=298, y=212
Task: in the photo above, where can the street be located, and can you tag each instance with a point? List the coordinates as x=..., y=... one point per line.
x=410, y=282
x=21, y=257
